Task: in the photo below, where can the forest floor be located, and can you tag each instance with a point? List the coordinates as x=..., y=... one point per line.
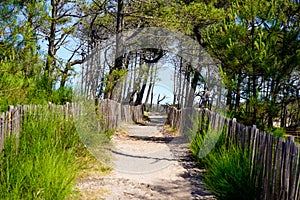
x=149, y=162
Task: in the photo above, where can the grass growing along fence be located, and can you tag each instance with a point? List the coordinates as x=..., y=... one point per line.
x=41, y=162
x=274, y=160
x=229, y=174
x=42, y=152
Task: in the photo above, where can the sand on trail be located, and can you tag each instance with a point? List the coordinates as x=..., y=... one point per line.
x=148, y=163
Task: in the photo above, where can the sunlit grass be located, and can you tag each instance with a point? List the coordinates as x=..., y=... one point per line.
x=46, y=160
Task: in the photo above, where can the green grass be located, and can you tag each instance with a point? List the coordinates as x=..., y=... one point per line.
x=204, y=138
x=93, y=133
x=229, y=175
x=42, y=163
x=228, y=167
x=278, y=132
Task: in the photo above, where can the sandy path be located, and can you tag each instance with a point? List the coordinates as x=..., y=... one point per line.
x=148, y=163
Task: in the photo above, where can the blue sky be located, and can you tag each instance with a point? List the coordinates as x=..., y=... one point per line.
x=164, y=86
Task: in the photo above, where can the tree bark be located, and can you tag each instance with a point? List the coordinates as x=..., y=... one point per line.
x=118, y=53
x=238, y=92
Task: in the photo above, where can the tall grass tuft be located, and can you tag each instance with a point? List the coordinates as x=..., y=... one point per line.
x=229, y=174
x=228, y=167
x=41, y=163
x=202, y=131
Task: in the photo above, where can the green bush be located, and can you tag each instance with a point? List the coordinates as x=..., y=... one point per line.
x=41, y=163
x=229, y=174
x=19, y=88
x=279, y=132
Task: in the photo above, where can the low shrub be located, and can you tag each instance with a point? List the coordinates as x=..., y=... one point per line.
x=278, y=132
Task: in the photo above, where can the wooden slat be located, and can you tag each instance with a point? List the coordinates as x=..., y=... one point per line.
x=261, y=161
x=294, y=169
x=297, y=189
x=2, y=131
x=268, y=167
x=254, y=133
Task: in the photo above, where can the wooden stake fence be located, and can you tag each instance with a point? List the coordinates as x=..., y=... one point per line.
x=113, y=114
x=274, y=161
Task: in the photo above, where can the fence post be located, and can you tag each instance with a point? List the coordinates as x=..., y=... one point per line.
x=297, y=173
x=2, y=132
x=233, y=131
x=68, y=111
x=10, y=119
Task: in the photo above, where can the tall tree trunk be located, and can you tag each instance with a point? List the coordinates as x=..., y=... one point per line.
x=146, y=73
x=148, y=93
x=187, y=87
x=150, y=85
x=118, y=53
x=248, y=97
x=254, y=76
x=154, y=81
x=193, y=87
x=271, y=103
x=229, y=100
x=119, y=28
x=50, y=61
x=182, y=92
x=174, y=85
x=179, y=79
x=238, y=92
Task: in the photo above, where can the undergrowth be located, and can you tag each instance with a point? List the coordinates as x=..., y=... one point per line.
x=228, y=174
x=228, y=167
x=44, y=160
